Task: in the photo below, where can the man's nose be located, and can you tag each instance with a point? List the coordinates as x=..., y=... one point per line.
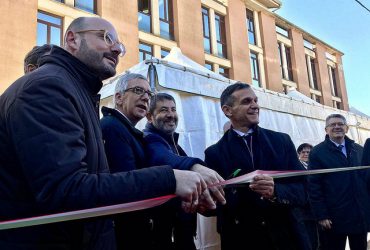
x=118, y=49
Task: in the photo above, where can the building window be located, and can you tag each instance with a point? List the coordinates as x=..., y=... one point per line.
x=282, y=31
x=209, y=66
x=145, y=51
x=308, y=44
x=220, y=35
x=316, y=98
x=166, y=19
x=223, y=71
x=285, y=61
x=336, y=104
x=87, y=5
x=251, y=28
x=49, y=29
x=289, y=63
x=206, y=31
x=333, y=81
x=255, y=70
x=164, y=53
x=311, y=71
x=144, y=16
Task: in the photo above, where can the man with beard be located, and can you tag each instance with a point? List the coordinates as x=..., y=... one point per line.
x=339, y=200
x=51, y=149
x=257, y=216
x=163, y=148
x=125, y=149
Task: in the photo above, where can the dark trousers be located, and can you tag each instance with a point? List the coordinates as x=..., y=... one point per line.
x=335, y=241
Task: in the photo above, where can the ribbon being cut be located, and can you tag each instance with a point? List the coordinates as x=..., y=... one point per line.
x=149, y=203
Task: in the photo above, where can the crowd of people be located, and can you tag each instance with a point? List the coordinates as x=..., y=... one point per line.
x=56, y=155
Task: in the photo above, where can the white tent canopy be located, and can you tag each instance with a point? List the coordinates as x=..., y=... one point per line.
x=197, y=91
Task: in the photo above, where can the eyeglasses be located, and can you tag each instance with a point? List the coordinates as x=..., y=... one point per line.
x=334, y=124
x=140, y=91
x=109, y=40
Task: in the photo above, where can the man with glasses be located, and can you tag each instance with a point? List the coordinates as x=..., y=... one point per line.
x=340, y=201
x=52, y=155
x=125, y=149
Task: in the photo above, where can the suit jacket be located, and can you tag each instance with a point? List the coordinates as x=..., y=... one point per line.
x=164, y=149
x=245, y=211
x=366, y=153
x=341, y=197
x=124, y=147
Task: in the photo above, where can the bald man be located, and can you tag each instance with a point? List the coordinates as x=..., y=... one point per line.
x=51, y=149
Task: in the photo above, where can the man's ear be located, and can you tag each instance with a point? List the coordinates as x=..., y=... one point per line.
x=227, y=110
x=118, y=99
x=149, y=117
x=30, y=68
x=71, y=42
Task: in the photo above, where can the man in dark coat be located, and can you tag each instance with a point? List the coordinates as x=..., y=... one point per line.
x=366, y=154
x=163, y=148
x=124, y=147
x=339, y=200
x=258, y=216
x=51, y=150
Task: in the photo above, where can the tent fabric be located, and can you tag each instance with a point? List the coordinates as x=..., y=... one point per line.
x=197, y=90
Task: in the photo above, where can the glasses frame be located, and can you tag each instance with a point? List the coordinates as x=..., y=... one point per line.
x=138, y=89
x=108, y=39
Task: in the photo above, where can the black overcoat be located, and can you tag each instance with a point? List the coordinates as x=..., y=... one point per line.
x=247, y=220
x=341, y=197
x=52, y=159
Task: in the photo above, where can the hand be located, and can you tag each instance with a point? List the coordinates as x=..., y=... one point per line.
x=205, y=203
x=189, y=187
x=326, y=224
x=263, y=185
x=211, y=177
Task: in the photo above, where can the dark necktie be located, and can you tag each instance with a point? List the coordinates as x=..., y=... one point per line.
x=340, y=147
x=248, y=140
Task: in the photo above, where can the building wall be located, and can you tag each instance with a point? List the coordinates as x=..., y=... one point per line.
x=188, y=36
x=299, y=63
x=16, y=39
x=126, y=24
x=271, y=57
x=188, y=29
x=238, y=42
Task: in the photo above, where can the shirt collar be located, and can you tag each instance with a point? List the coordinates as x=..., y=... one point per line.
x=123, y=115
x=240, y=133
x=337, y=144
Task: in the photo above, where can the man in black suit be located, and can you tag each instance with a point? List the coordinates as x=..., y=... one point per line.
x=255, y=216
x=339, y=200
x=366, y=153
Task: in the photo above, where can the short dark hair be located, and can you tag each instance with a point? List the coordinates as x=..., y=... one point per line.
x=302, y=146
x=226, y=96
x=35, y=53
x=335, y=116
x=160, y=97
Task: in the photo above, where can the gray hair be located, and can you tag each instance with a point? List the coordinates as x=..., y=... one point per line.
x=122, y=82
x=335, y=116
